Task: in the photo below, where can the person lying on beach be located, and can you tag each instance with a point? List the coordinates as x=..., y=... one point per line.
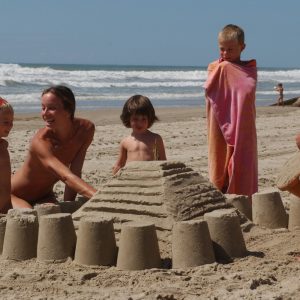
x=56, y=152
x=230, y=106
x=142, y=145
x=6, y=124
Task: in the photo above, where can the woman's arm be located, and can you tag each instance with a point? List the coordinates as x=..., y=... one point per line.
x=76, y=168
x=5, y=183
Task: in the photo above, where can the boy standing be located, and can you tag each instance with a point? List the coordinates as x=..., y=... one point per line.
x=230, y=99
x=279, y=89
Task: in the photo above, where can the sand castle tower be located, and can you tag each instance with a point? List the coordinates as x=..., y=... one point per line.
x=158, y=192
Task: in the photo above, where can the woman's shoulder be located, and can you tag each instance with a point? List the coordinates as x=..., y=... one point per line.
x=84, y=124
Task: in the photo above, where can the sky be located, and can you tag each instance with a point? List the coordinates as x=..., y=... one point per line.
x=146, y=32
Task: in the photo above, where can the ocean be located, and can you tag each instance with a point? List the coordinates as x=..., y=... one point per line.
x=103, y=86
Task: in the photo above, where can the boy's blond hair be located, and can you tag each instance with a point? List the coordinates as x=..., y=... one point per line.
x=232, y=32
x=4, y=105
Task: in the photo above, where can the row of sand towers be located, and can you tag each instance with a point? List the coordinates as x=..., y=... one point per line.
x=49, y=235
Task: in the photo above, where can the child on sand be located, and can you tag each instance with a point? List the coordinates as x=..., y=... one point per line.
x=230, y=102
x=6, y=124
x=279, y=89
x=142, y=145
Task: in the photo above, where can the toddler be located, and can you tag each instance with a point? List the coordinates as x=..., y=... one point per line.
x=142, y=144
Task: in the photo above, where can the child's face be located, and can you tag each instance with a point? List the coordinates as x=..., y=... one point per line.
x=230, y=50
x=139, y=123
x=6, y=122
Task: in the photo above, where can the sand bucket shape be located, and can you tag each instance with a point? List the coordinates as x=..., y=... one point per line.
x=138, y=247
x=57, y=238
x=21, y=233
x=294, y=216
x=226, y=234
x=96, y=243
x=191, y=244
x=47, y=209
x=268, y=210
x=242, y=203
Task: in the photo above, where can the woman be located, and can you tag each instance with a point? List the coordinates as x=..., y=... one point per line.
x=56, y=152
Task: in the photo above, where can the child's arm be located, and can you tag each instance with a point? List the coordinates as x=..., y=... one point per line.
x=298, y=140
x=5, y=185
x=121, y=161
x=161, y=148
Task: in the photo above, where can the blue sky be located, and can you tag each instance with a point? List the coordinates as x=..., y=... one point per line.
x=147, y=32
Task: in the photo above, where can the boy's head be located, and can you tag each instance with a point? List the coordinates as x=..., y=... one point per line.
x=231, y=43
x=138, y=105
x=6, y=118
x=65, y=95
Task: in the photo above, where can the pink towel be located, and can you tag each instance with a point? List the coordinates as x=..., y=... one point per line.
x=232, y=143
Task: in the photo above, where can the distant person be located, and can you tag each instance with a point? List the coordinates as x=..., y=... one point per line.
x=6, y=124
x=56, y=152
x=142, y=144
x=279, y=89
x=230, y=102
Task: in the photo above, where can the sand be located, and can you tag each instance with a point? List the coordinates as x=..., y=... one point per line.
x=270, y=271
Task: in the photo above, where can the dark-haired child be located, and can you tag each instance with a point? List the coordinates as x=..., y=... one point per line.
x=142, y=144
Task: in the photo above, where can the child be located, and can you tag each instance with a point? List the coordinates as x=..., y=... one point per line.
x=230, y=98
x=142, y=145
x=279, y=89
x=6, y=124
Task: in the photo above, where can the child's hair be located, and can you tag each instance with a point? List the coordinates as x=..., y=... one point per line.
x=4, y=105
x=138, y=105
x=232, y=32
x=279, y=84
x=65, y=95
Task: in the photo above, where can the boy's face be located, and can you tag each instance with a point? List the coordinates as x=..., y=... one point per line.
x=139, y=123
x=6, y=122
x=230, y=50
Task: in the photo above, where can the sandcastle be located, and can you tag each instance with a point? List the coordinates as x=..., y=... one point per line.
x=157, y=192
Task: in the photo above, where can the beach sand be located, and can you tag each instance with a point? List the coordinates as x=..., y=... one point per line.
x=270, y=271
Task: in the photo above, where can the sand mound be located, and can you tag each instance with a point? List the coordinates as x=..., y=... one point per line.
x=159, y=192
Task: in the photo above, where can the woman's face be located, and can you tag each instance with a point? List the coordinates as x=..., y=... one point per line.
x=53, y=112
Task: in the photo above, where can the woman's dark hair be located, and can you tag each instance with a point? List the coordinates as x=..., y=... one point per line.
x=138, y=105
x=66, y=95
